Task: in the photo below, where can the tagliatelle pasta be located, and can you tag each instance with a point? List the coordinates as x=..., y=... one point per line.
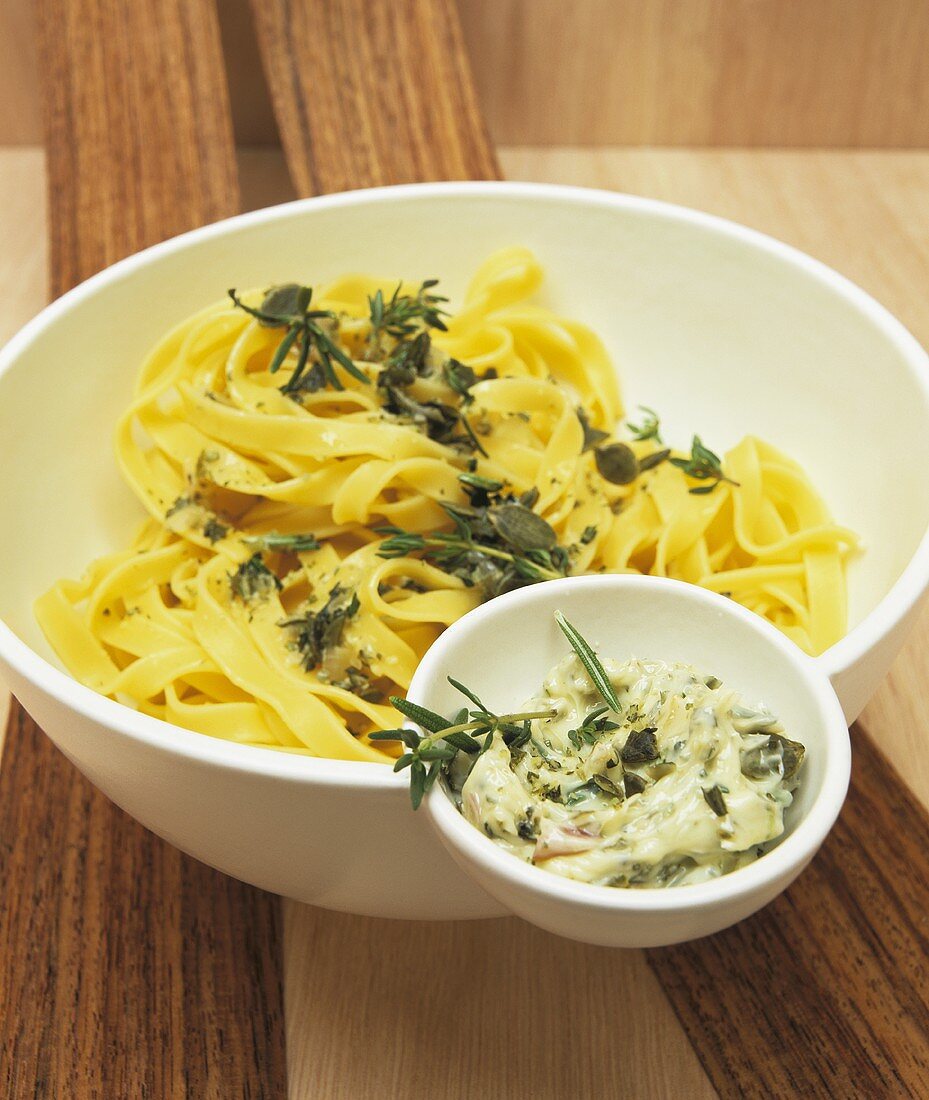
x=330, y=483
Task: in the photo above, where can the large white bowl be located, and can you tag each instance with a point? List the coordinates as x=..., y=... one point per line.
x=724, y=330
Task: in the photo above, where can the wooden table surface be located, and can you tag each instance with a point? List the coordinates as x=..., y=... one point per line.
x=359, y=1021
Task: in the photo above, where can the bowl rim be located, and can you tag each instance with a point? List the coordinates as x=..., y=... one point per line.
x=37, y=670
x=786, y=859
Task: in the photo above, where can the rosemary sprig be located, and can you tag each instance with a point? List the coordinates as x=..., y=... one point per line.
x=589, y=660
x=401, y=314
x=472, y=731
x=273, y=541
x=445, y=548
x=650, y=428
x=703, y=465
x=288, y=307
x=426, y=753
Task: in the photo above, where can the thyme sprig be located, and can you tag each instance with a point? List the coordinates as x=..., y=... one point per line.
x=593, y=727
x=650, y=428
x=427, y=752
x=703, y=465
x=288, y=307
x=402, y=314
x=498, y=542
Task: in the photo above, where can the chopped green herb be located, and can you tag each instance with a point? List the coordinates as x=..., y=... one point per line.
x=253, y=580
x=316, y=632
x=214, y=530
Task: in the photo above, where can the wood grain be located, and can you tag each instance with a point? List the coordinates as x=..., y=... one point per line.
x=128, y=969
x=473, y=1009
x=703, y=72
x=840, y=73
x=368, y=94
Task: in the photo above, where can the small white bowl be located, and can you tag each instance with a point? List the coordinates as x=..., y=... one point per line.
x=505, y=648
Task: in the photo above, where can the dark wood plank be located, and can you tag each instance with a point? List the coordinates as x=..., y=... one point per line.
x=826, y=993
x=372, y=93
x=126, y=968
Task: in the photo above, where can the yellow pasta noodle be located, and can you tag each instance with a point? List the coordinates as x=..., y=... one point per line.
x=331, y=484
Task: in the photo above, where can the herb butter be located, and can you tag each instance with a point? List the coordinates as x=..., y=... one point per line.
x=681, y=783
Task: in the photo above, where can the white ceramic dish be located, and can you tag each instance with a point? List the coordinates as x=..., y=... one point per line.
x=724, y=330
x=625, y=617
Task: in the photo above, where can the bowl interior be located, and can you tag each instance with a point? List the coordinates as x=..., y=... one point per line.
x=721, y=332
x=624, y=617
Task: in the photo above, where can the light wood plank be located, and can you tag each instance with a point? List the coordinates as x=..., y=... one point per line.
x=451, y=1011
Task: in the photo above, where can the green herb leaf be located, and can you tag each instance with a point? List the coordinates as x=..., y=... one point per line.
x=649, y=428
x=703, y=465
x=273, y=541
x=633, y=784
x=417, y=782
x=422, y=716
x=649, y=462
x=402, y=314
x=589, y=660
x=469, y=694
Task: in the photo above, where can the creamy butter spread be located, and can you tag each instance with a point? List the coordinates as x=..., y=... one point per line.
x=683, y=784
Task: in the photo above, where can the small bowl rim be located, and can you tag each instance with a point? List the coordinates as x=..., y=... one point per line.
x=780, y=864
x=26, y=662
